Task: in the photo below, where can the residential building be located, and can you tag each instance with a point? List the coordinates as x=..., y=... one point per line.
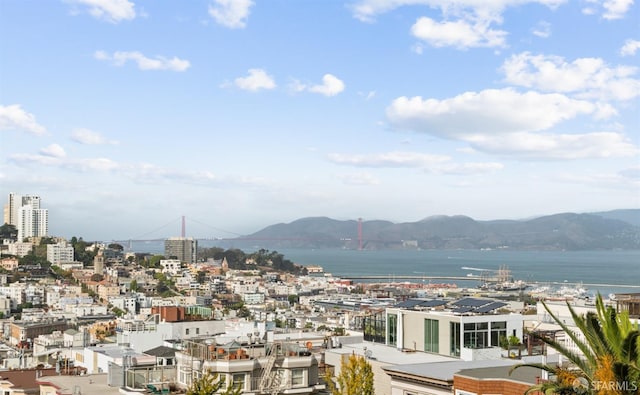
x=165, y=323
x=22, y=381
x=9, y=263
x=15, y=202
x=20, y=248
x=31, y=220
x=271, y=367
x=71, y=385
x=495, y=380
x=469, y=328
x=60, y=253
x=171, y=266
x=24, y=332
x=183, y=249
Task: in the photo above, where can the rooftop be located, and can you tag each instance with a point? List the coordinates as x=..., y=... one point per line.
x=391, y=355
x=89, y=384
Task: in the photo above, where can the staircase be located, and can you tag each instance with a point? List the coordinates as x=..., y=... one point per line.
x=266, y=378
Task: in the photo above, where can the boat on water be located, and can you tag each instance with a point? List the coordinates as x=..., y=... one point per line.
x=497, y=280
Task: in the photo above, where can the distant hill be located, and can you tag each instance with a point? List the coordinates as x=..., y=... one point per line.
x=631, y=216
x=567, y=231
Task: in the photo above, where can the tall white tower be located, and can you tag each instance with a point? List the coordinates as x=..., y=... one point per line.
x=24, y=212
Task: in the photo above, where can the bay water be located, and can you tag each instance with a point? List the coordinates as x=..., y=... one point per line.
x=604, y=271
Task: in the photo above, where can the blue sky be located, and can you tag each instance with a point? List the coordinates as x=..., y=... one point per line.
x=124, y=115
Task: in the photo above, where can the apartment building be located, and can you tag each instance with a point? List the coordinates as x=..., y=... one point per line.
x=468, y=328
x=257, y=368
x=60, y=253
x=183, y=249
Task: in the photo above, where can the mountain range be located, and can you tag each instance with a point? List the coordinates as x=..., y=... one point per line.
x=617, y=229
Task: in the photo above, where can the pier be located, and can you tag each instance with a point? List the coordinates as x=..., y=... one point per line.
x=394, y=277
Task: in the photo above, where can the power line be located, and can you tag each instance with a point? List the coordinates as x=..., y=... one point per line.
x=213, y=227
x=156, y=230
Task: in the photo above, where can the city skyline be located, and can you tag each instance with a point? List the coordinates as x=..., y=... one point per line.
x=125, y=115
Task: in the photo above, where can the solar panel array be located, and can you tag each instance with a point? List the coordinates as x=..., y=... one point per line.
x=424, y=303
x=465, y=305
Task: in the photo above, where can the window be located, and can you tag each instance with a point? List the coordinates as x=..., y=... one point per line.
x=498, y=330
x=476, y=335
x=392, y=325
x=454, y=330
x=186, y=331
x=297, y=377
x=197, y=331
x=238, y=380
x=431, y=335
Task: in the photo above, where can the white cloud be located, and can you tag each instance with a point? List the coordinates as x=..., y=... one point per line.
x=557, y=146
x=470, y=168
x=542, y=29
x=112, y=11
x=144, y=63
x=610, y=9
x=460, y=34
x=45, y=158
x=256, y=80
x=231, y=13
x=585, y=77
x=331, y=86
x=54, y=151
x=495, y=111
x=465, y=23
x=367, y=10
x=367, y=95
x=389, y=159
x=89, y=137
x=359, y=179
x=438, y=164
x=506, y=122
x=13, y=117
x=616, y=9
x=630, y=47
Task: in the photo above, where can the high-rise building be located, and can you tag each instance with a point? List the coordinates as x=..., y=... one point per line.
x=24, y=212
x=12, y=209
x=182, y=248
x=32, y=222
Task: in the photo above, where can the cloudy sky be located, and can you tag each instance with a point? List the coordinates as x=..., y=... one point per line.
x=125, y=115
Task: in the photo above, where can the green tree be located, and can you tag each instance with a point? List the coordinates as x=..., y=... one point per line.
x=8, y=232
x=133, y=286
x=609, y=353
x=355, y=378
x=209, y=384
x=116, y=246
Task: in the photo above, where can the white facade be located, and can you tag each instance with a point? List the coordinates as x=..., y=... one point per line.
x=124, y=302
x=256, y=298
x=151, y=335
x=60, y=253
x=468, y=337
x=171, y=266
x=12, y=209
x=32, y=222
x=20, y=249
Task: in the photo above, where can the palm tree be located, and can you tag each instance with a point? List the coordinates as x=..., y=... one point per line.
x=609, y=357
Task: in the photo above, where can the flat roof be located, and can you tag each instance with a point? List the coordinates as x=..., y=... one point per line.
x=444, y=371
x=88, y=384
x=525, y=374
x=391, y=355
